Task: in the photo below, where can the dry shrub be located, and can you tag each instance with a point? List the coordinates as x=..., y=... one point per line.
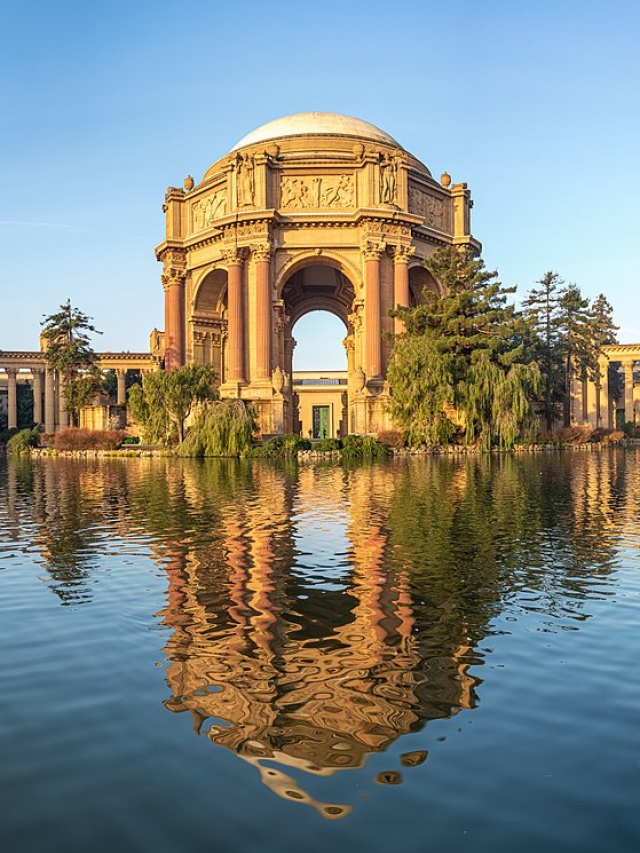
x=576, y=434
x=612, y=436
x=392, y=438
x=73, y=438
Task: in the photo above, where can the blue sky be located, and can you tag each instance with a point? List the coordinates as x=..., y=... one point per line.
x=104, y=105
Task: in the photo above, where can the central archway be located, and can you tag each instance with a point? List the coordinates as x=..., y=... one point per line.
x=320, y=399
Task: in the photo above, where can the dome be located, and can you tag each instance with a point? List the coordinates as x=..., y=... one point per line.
x=316, y=124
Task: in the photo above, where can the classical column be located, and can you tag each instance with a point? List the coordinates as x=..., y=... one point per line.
x=604, y=408
x=49, y=402
x=122, y=386
x=173, y=281
x=37, y=396
x=401, y=257
x=591, y=403
x=12, y=398
x=262, y=257
x=235, y=260
x=628, y=391
x=63, y=414
x=373, y=330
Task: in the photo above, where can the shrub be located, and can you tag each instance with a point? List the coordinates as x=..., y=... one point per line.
x=628, y=429
x=131, y=439
x=327, y=445
x=6, y=434
x=282, y=446
x=23, y=441
x=73, y=438
x=223, y=428
x=364, y=447
x=392, y=438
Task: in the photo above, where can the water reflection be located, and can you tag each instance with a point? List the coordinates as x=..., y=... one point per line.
x=319, y=614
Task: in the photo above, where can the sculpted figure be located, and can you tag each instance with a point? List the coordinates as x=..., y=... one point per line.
x=387, y=180
x=245, y=180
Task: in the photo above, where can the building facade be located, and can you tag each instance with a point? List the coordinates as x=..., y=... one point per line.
x=315, y=211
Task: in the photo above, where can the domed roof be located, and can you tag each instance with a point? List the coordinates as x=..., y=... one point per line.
x=316, y=124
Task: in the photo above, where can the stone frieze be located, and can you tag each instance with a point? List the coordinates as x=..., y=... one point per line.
x=430, y=208
x=206, y=210
x=302, y=193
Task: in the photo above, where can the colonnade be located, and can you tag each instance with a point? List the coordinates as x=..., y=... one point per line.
x=594, y=404
x=49, y=407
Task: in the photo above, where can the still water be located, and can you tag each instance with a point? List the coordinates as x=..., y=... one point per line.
x=420, y=654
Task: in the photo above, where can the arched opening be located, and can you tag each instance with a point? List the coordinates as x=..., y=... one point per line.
x=318, y=304
x=420, y=280
x=209, y=321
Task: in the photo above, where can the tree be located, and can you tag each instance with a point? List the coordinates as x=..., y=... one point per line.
x=542, y=310
x=602, y=331
x=165, y=400
x=575, y=341
x=465, y=350
x=68, y=350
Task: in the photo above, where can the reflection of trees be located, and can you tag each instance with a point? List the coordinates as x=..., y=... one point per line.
x=311, y=654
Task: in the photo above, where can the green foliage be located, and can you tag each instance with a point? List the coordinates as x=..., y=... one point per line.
x=465, y=351
x=282, y=446
x=363, y=447
x=131, y=439
x=223, y=428
x=628, y=429
x=327, y=445
x=24, y=440
x=542, y=311
x=569, y=333
x=68, y=350
x=7, y=434
x=165, y=400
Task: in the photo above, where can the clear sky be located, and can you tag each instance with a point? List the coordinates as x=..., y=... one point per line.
x=105, y=104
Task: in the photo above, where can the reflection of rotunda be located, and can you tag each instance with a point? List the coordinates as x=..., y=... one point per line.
x=314, y=211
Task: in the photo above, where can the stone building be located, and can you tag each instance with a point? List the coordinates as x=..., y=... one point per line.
x=314, y=211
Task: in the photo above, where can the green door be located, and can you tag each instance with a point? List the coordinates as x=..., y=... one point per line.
x=322, y=421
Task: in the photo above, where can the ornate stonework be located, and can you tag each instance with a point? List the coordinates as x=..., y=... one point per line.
x=324, y=215
x=301, y=192
x=207, y=210
x=430, y=208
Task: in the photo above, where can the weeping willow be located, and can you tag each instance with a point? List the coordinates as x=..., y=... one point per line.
x=223, y=428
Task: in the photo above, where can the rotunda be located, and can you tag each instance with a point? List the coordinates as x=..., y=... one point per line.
x=314, y=211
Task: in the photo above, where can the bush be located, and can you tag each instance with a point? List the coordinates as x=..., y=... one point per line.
x=628, y=429
x=73, y=438
x=364, y=447
x=6, y=434
x=23, y=441
x=327, y=445
x=392, y=438
x=282, y=446
x=131, y=439
x=224, y=428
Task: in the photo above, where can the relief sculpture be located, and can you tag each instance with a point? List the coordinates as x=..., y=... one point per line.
x=329, y=191
x=429, y=207
x=205, y=211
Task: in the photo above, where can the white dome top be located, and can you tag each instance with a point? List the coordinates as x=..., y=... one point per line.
x=316, y=124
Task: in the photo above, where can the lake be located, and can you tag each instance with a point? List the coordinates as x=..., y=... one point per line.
x=426, y=653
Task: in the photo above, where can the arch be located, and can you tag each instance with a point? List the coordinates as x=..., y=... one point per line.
x=318, y=287
x=210, y=292
x=313, y=258
x=420, y=279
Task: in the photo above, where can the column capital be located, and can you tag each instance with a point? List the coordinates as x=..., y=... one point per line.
x=11, y=372
x=234, y=256
x=402, y=254
x=171, y=276
x=373, y=249
x=262, y=251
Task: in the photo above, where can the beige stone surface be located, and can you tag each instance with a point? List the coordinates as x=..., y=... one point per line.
x=315, y=211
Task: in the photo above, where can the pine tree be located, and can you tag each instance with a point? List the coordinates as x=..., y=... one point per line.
x=466, y=350
x=542, y=310
x=602, y=331
x=68, y=350
x=574, y=344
